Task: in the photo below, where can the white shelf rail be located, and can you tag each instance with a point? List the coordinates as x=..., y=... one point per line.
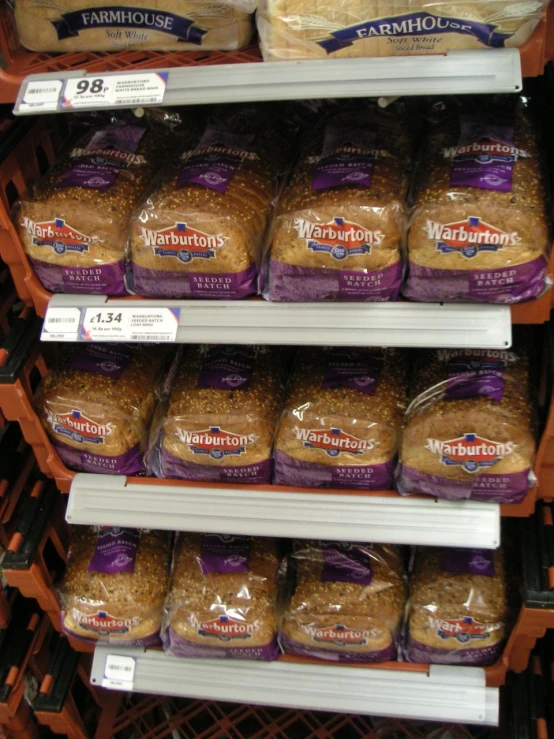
x=454, y=694
x=112, y=500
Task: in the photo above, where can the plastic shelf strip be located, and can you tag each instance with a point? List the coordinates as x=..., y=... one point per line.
x=399, y=324
x=111, y=500
x=456, y=694
x=459, y=72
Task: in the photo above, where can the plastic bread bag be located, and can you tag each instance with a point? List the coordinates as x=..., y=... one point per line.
x=222, y=598
x=164, y=25
x=115, y=585
x=219, y=421
x=368, y=29
x=97, y=404
x=478, y=230
x=346, y=603
x=467, y=432
x=341, y=423
x=339, y=229
x=73, y=222
x=458, y=611
x=200, y=232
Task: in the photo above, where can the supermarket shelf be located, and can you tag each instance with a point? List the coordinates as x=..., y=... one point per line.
x=352, y=324
x=278, y=511
x=459, y=72
x=456, y=694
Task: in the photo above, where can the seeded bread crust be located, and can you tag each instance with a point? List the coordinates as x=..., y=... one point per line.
x=250, y=597
x=138, y=595
x=375, y=609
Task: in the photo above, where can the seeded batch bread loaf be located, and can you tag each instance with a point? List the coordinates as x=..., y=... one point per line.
x=200, y=232
x=220, y=419
x=73, y=223
x=222, y=598
x=165, y=25
x=458, y=608
x=478, y=231
x=467, y=431
x=340, y=224
x=98, y=403
x=341, y=423
x=347, y=603
x=312, y=30
x=115, y=584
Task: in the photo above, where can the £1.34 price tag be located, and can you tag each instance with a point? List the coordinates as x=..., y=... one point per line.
x=112, y=90
x=130, y=324
x=119, y=672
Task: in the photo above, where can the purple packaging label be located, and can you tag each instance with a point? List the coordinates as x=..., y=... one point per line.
x=106, y=359
x=108, y=153
x=70, y=24
x=471, y=377
x=347, y=158
x=298, y=473
x=227, y=368
x=415, y=651
x=511, y=487
x=509, y=285
x=289, y=646
x=111, y=633
x=291, y=284
x=220, y=553
x=346, y=563
x=484, y=157
x=103, y=279
x=165, y=284
x=416, y=24
x=116, y=550
x=165, y=464
x=472, y=561
x=130, y=462
x=178, y=646
x=216, y=158
x=354, y=369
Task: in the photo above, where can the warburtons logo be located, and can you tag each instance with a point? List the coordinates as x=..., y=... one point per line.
x=216, y=442
x=339, y=635
x=469, y=237
x=470, y=451
x=103, y=156
x=334, y=441
x=483, y=355
x=484, y=150
x=78, y=427
x=183, y=242
x=225, y=628
x=463, y=629
x=58, y=235
x=104, y=624
x=339, y=238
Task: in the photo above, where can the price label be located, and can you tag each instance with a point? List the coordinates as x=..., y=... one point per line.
x=130, y=324
x=119, y=672
x=61, y=324
x=133, y=88
x=40, y=96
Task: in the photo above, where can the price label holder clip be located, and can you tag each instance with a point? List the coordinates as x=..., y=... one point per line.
x=119, y=672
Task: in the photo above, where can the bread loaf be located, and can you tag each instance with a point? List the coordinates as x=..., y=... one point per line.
x=467, y=431
x=310, y=30
x=341, y=423
x=222, y=598
x=478, y=231
x=347, y=602
x=165, y=25
x=97, y=406
x=200, y=232
x=221, y=415
x=339, y=230
x=115, y=585
x=73, y=223
x=458, y=608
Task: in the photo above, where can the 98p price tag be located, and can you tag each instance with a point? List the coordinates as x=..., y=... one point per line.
x=133, y=88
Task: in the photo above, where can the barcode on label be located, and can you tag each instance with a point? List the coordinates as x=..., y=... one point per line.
x=125, y=668
x=139, y=101
x=61, y=320
x=151, y=337
x=40, y=91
